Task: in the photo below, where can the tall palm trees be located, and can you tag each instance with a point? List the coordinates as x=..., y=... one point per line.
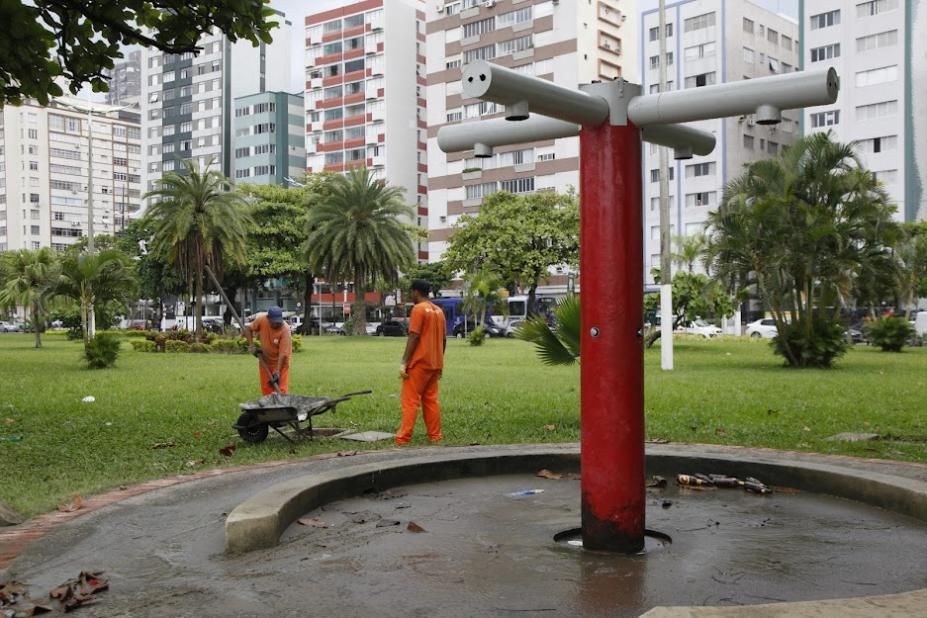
x=197, y=223
x=356, y=234
x=27, y=277
x=93, y=279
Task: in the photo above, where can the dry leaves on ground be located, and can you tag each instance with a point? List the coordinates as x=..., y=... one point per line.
x=547, y=474
x=228, y=450
x=76, y=504
x=414, y=527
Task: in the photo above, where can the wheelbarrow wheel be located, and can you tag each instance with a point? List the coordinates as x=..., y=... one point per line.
x=250, y=431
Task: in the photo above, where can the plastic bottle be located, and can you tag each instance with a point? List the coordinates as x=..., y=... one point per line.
x=526, y=492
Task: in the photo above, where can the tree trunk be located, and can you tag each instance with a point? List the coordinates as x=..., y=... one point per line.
x=198, y=311
x=532, y=299
x=359, y=308
x=85, y=327
x=35, y=325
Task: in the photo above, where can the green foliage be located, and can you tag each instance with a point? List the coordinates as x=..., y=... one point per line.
x=560, y=347
x=477, y=336
x=227, y=346
x=101, y=351
x=356, y=234
x=911, y=254
x=297, y=343
x=50, y=42
x=104, y=279
x=176, y=346
x=434, y=273
x=482, y=292
x=156, y=278
x=198, y=223
x=199, y=348
x=807, y=230
x=470, y=170
x=144, y=345
x=517, y=237
x=27, y=279
x=695, y=295
x=890, y=333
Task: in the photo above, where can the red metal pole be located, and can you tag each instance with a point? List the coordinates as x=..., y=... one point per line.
x=612, y=369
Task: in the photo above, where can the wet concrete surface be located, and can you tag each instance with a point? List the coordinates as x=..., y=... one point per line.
x=485, y=553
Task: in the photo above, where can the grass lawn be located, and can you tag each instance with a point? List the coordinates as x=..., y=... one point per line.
x=723, y=391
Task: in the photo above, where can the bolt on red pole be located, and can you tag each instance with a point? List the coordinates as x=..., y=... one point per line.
x=612, y=369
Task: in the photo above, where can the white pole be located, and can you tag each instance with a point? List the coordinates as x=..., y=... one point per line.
x=666, y=274
x=91, y=314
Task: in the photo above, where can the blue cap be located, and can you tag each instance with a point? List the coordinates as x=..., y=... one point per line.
x=275, y=315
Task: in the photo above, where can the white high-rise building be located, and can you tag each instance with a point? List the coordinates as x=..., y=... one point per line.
x=712, y=42
x=188, y=101
x=568, y=43
x=365, y=99
x=44, y=175
x=879, y=47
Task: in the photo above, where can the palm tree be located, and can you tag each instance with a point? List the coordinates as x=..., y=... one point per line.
x=482, y=293
x=689, y=249
x=558, y=346
x=94, y=279
x=198, y=222
x=27, y=277
x=356, y=233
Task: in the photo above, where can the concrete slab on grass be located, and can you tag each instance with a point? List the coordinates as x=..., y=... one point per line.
x=367, y=436
x=853, y=437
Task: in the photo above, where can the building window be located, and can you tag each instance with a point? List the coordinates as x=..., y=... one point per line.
x=475, y=192
x=877, y=76
x=704, y=198
x=699, y=51
x=654, y=33
x=825, y=119
x=884, y=109
x=749, y=56
x=513, y=46
x=518, y=185
x=748, y=25
x=699, y=22
x=655, y=60
x=867, y=9
x=786, y=42
x=825, y=20
x=476, y=28
x=655, y=174
x=242, y=152
x=480, y=53
x=243, y=173
x=748, y=142
x=697, y=81
x=772, y=36
x=877, y=41
x=700, y=169
x=825, y=53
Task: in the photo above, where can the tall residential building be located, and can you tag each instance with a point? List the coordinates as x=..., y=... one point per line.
x=568, y=43
x=188, y=101
x=269, y=138
x=125, y=81
x=365, y=99
x=879, y=47
x=44, y=157
x=712, y=42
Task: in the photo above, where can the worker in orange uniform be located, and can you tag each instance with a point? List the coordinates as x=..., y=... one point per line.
x=276, y=349
x=422, y=365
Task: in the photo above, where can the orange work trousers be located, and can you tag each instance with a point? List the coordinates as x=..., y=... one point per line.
x=267, y=389
x=421, y=387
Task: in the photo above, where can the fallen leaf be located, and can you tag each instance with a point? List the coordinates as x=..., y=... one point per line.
x=658, y=441
x=550, y=427
x=194, y=463
x=75, y=504
x=227, y=450
x=656, y=481
x=158, y=445
x=312, y=522
x=806, y=428
x=547, y=474
x=719, y=431
x=414, y=527
x=9, y=421
x=347, y=453
x=804, y=445
x=197, y=435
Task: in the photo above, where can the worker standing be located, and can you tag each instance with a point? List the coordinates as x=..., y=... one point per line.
x=422, y=366
x=276, y=349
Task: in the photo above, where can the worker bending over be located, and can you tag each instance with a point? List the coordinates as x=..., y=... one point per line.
x=276, y=349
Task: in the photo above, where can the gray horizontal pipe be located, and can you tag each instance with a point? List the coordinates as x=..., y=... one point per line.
x=502, y=132
x=681, y=137
x=489, y=82
x=789, y=91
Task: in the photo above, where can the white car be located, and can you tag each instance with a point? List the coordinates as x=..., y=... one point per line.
x=9, y=327
x=765, y=328
x=700, y=328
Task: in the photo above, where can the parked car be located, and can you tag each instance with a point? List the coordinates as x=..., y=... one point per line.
x=513, y=327
x=764, y=327
x=855, y=335
x=9, y=327
x=700, y=328
x=391, y=328
x=492, y=329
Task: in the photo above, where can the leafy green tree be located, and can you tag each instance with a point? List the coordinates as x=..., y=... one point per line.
x=46, y=41
x=434, y=273
x=560, y=346
x=95, y=279
x=481, y=293
x=27, y=277
x=156, y=278
x=197, y=222
x=911, y=252
x=801, y=228
x=519, y=237
x=356, y=233
x=695, y=295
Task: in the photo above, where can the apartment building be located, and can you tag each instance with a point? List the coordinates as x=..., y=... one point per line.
x=125, y=81
x=188, y=100
x=879, y=47
x=269, y=138
x=568, y=43
x=44, y=176
x=365, y=99
x=712, y=42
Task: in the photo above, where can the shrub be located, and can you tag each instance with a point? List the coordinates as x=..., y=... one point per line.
x=890, y=333
x=297, y=343
x=144, y=345
x=348, y=326
x=75, y=333
x=477, y=336
x=199, y=348
x=819, y=348
x=133, y=334
x=176, y=346
x=470, y=170
x=208, y=338
x=226, y=346
x=101, y=351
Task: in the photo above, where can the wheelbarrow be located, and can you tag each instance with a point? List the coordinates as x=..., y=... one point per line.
x=278, y=410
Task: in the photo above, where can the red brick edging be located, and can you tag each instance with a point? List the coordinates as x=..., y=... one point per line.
x=15, y=539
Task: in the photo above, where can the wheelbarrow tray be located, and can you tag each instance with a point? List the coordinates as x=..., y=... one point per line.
x=277, y=410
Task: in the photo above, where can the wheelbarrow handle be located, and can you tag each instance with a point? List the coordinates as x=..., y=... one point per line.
x=355, y=393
